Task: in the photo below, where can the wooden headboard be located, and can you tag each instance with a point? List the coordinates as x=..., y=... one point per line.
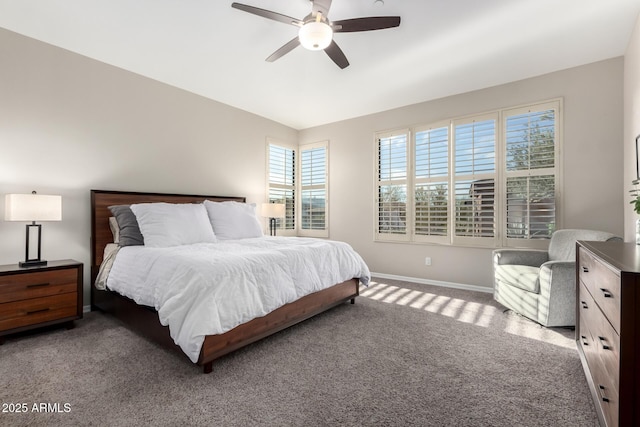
x=102, y=199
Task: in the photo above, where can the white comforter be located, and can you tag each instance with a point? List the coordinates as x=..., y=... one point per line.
x=210, y=288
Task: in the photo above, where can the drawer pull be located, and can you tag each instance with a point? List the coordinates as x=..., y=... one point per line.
x=38, y=285
x=37, y=311
x=606, y=293
x=584, y=340
x=584, y=304
x=585, y=269
x=602, y=396
x=603, y=341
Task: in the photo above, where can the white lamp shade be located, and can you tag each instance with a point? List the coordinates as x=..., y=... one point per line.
x=315, y=35
x=32, y=207
x=273, y=210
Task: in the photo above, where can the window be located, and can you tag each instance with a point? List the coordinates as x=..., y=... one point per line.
x=485, y=180
x=281, y=163
x=314, y=190
x=474, y=180
x=530, y=150
x=431, y=183
x=392, y=173
x=298, y=178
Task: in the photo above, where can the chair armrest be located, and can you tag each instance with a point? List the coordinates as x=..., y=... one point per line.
x=558, y=292
x=530, y=257
x=558, y=279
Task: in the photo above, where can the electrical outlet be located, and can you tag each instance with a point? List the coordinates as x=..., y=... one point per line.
x=427, y=261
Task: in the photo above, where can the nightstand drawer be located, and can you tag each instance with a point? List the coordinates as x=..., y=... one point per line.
x=37, y=310
x=23, y=286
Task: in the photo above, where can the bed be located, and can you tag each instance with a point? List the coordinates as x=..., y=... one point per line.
x=144, y=319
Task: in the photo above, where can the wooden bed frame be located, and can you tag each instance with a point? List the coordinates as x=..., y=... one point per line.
x=145, y=320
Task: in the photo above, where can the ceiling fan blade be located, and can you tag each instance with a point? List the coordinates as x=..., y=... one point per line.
x=365, y=24
x=284, y=50
x=321, y=6
x=267, y=14
x=336, y=55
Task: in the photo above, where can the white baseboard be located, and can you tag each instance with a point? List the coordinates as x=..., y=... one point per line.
x=475, y=288
x=86, y=308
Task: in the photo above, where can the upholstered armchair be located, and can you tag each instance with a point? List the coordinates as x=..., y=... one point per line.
x=541, y=285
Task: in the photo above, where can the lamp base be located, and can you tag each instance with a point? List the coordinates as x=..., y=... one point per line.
x=32, y=263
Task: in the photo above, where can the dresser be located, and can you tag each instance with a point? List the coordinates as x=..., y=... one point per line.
x=608, y=327
x=33, y=297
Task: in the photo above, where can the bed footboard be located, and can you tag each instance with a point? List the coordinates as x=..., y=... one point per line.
x=308, y=306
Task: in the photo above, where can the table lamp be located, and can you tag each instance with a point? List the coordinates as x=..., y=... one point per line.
x=32, y=207
x=273, y=211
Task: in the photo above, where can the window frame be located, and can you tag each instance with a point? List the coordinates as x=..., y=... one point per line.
x=392, y=237
x=500, y=176
x=459, y=240
x=322, y=233
x=557, y=106
x=420, y=238
x=280, y=230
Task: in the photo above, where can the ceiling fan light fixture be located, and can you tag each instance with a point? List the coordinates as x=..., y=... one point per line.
x=315, y=35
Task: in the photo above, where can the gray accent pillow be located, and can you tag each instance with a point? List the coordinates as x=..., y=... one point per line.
x=130, y=234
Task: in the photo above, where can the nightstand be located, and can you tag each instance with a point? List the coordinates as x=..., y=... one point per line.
x=33, y=297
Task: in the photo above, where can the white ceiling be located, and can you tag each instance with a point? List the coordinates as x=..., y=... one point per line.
x=442, y=47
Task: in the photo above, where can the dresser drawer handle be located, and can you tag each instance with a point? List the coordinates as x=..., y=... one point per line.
x=584, y=304
x=602, y=396
x=38, y=285
x=584, y=340
x=603, y=341
x=585, y=269
x=606, y=293
x=37, y=311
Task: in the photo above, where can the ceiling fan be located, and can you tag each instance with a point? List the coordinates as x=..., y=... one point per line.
x=316, y=30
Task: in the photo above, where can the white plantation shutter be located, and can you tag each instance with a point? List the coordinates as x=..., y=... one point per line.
x=530, y=158
x=282, y=179
x=313, y=190
x=474, y=180
x=392, y=174
x=484, y=180
x=431, y=184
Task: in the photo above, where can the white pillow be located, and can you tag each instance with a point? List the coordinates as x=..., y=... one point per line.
x=170, y=224
x=233, y=220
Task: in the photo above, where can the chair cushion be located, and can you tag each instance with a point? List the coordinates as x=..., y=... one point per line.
x=520, y=276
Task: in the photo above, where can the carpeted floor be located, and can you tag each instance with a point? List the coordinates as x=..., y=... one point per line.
x=404, y=354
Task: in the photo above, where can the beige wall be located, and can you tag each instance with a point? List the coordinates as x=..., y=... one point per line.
x=592, y=155
x=631, y=125
x=69, y=124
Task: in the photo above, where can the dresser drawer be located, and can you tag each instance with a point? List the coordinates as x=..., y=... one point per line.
x=604, y=341
x=18, y=287
x=37, y=310
x=587, y=306
x=603, y=284
x=607, y=347
x=608, y=398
